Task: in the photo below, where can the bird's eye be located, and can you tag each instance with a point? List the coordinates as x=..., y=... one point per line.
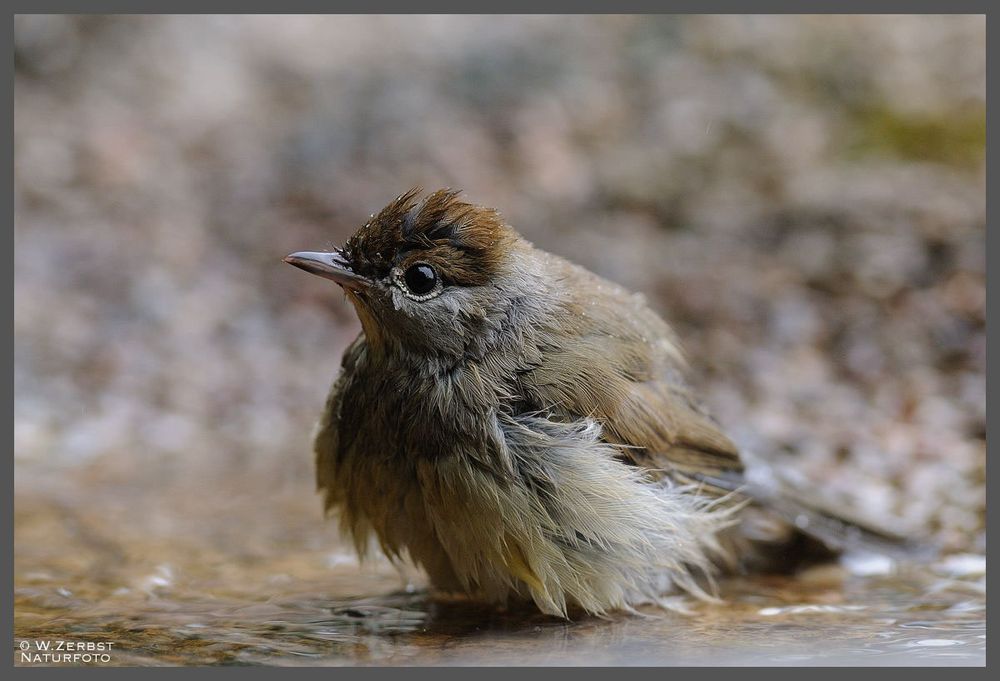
x=420, y=279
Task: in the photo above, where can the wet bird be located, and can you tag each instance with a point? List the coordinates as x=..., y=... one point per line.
x=522, y=428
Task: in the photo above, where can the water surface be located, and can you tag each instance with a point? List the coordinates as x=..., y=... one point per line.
x=223, y=579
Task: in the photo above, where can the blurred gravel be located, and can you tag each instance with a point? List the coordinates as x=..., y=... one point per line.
x=802, y=197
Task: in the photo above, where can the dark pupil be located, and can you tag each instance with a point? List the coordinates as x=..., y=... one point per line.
x=420, y=279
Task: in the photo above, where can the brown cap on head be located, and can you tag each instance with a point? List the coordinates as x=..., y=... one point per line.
x=465, y=243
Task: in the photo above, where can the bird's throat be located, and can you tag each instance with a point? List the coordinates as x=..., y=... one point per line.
x=374, y=334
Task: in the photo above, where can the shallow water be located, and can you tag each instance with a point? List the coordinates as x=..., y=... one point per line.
x=171, y=580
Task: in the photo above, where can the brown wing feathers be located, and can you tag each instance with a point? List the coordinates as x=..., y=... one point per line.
x=629, y=377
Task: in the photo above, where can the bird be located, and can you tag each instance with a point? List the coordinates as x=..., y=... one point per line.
x=525, y=430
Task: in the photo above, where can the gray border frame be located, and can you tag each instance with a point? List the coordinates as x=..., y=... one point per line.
x=516, y=7
x=513, y=6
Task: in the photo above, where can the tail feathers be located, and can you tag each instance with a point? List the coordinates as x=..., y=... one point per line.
x=838, y=529
x=835, y=527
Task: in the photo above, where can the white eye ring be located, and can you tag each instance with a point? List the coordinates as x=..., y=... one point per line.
x=397, y=277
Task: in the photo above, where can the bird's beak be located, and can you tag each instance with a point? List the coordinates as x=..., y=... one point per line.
x=333, y=266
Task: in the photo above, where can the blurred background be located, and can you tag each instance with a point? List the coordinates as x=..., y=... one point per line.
x=801, y=197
